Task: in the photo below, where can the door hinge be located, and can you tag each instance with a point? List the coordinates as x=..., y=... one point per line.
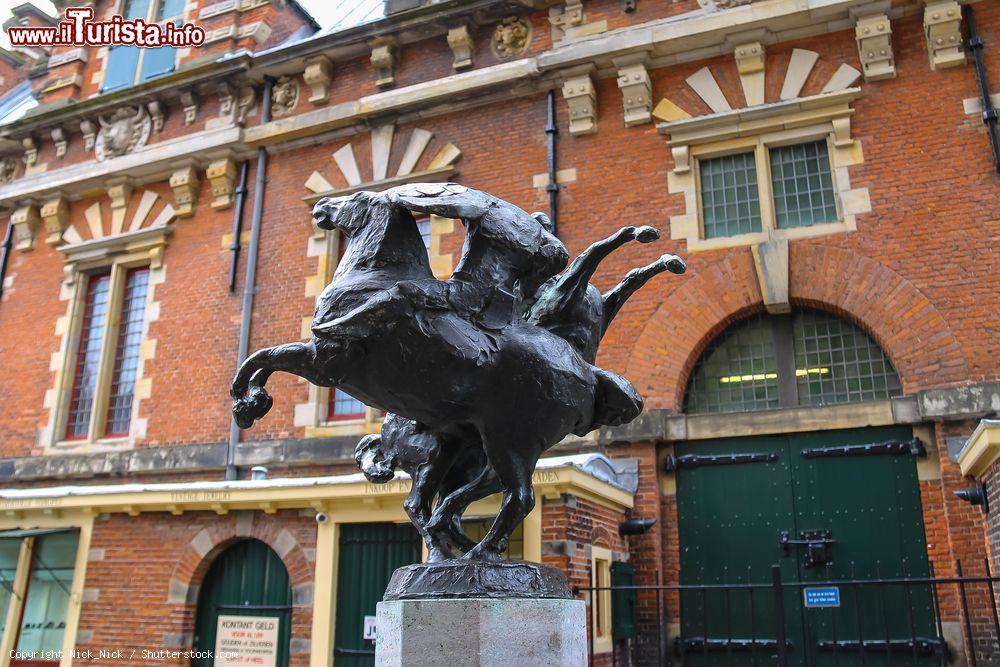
x=672, y=463
x=912, y=447
x=701, y=645
x=924, y=646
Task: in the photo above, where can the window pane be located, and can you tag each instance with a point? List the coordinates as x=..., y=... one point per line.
x=835, y=362
x=803, y=185
x=168, y=9
x=9, y=550
x=344, y=406
x=119, y=72
x=136, y=9
x=88, y=356
x=44, y=619
x=424, y=225
x=738, y=371
x=730, y=201
x=127, y=353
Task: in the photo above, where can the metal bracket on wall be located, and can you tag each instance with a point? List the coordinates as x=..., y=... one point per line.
x=912, y=447
x=918, y=646
x=672, y=463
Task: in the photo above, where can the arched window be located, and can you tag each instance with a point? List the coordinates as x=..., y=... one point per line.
x=246, y=580
x=778, y=361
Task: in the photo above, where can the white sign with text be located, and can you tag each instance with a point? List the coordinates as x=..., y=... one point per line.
x=246, y=641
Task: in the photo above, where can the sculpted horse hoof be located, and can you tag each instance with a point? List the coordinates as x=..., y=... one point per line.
x=674, y=264
x=248, y=409
x=647, y=234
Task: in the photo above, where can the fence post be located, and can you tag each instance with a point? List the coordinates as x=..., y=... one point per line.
x=779, y=615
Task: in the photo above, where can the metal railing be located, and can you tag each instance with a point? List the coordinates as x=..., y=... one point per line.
x=893, y=603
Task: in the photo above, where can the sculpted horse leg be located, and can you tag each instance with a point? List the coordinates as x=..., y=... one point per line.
x=616, y=297
x=446, y=521
x=513, y=457
x=250, y=400
x=570, y=285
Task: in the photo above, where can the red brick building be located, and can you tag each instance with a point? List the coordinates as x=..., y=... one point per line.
x=814, y=383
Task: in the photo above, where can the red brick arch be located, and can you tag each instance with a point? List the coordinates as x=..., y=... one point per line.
x=888, y=307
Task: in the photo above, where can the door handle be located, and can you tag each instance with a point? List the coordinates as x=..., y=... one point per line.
x=818, y=544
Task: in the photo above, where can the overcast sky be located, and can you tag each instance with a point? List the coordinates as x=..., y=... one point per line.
x=326, y=12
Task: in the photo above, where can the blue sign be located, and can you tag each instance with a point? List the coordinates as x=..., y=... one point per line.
x=826, y=596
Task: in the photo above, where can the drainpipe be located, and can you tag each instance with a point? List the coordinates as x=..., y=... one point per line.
x=250, y=283
x=553, y=187
x=8, y=243
x=975, y=45
x=234, y=247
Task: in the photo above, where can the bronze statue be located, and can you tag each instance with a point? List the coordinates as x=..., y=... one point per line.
x=482, y=372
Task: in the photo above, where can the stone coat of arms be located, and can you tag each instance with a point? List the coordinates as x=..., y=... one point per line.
x=126, y=130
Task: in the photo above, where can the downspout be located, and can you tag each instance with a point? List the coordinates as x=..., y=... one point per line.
x=234, y=247
x=8, y=243
x=553, y=187
x=975, y=44
x=250, y=283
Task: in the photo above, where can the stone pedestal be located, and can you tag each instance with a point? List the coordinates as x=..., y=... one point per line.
x=461, y=613
x=486, y=632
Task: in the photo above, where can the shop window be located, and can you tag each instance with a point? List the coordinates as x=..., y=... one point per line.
x=37, y=567
x=107, y=354
x=128, y=66
x=600, y=608
x=476, y=528
x=804, y=358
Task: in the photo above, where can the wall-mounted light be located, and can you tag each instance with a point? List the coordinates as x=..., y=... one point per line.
x=976, y=495
x=635, y=526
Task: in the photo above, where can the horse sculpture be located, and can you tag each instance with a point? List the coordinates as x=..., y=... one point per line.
x=483, y=372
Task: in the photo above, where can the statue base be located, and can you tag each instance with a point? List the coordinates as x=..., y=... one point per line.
x=481, y=632
x=477, y=579
x=470, y=613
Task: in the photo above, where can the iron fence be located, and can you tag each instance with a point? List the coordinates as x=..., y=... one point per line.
x=837, y=634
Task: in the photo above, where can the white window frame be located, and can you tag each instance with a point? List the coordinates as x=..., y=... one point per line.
x=600, y=568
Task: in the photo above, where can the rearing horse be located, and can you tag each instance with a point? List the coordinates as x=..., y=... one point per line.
x=453, y=355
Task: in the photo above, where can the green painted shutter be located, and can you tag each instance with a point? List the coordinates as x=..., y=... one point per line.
x=622, y=601
x=247, y=579
x=369, y=554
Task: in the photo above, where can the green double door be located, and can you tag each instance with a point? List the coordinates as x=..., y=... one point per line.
x=369, y=554
x=826, y=506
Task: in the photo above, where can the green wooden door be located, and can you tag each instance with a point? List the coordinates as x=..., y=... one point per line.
x=369, y=553
x=733, y=511
x=247, y=579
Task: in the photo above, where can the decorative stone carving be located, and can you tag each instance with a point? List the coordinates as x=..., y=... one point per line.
x=60, y=140
x=874, y=37
x=750, y=64
x=581, y=98
x=317, y=75
x=157, y=114
x=126, y=130
x=25, y=222
x=715, y=5
x=119, y=190
x=461, y=45
x=222, y=175
x=8, y=169
x=89, y=131
x=943, y=28
x=55, y=215
x=511, y=37
x=566, y=16
x=384, y=61
x=285, y=96
x=227, y=98
x=190, y=102
x=30, y=151
x=637, y=94
x=184, y=182
x=244, y=103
